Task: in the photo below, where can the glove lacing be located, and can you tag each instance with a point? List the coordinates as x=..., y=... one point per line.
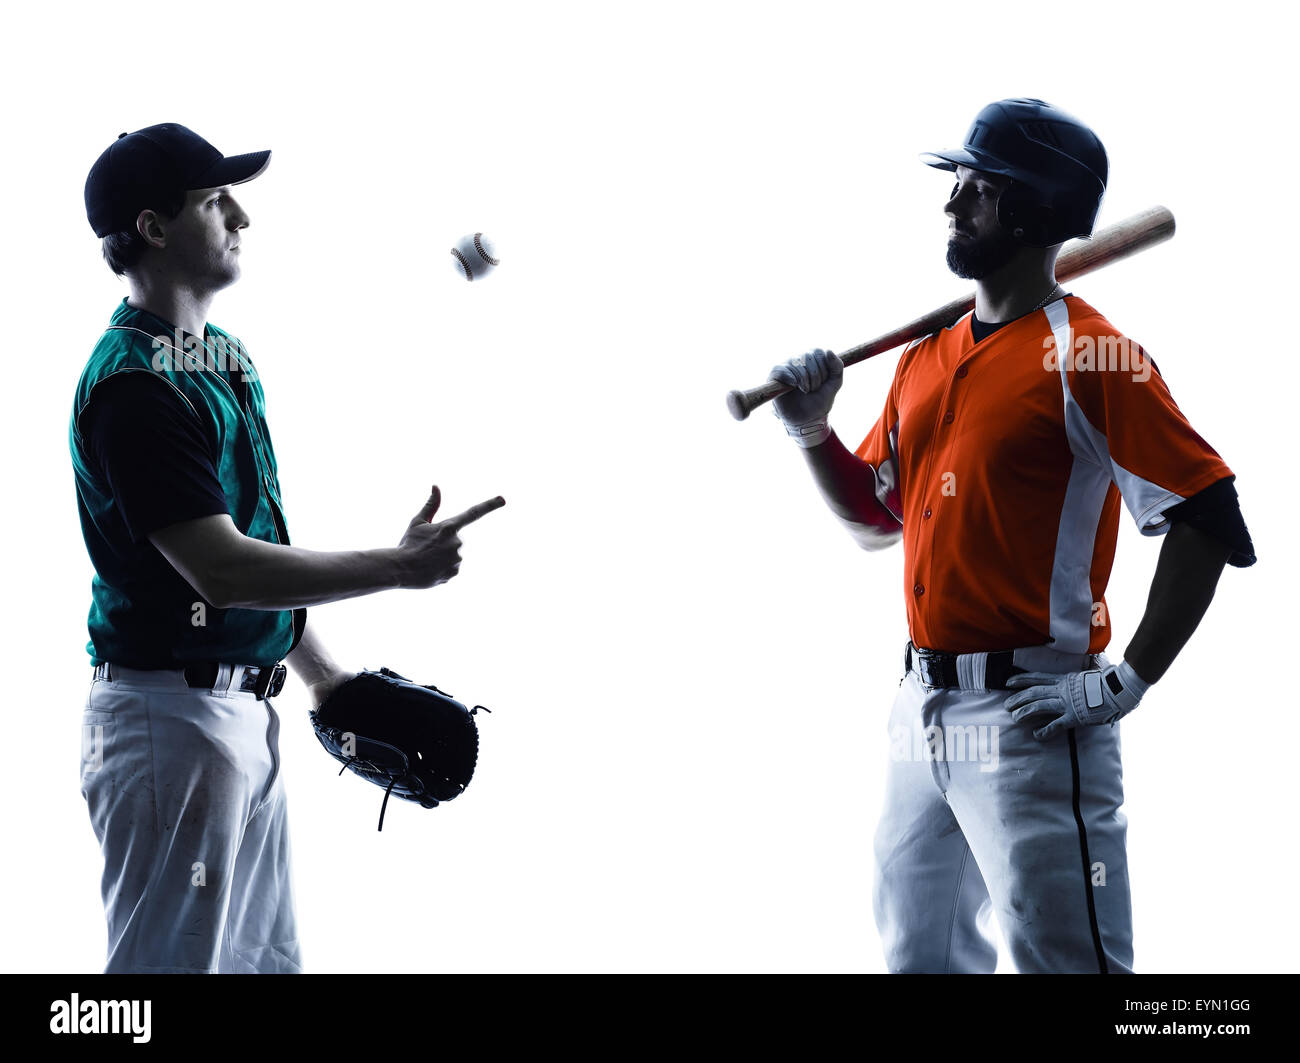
x=393, y=780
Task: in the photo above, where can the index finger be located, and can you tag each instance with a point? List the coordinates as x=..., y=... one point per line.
x=474, y=513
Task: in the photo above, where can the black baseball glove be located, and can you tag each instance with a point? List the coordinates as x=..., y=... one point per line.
x=414, y=741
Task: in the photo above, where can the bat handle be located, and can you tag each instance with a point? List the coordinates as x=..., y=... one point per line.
x=742, y=403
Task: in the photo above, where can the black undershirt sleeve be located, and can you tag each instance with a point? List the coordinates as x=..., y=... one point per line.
x=1216, y=512
x=153, y=453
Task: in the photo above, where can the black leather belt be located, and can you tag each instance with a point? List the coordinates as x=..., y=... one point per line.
x=265, y=682
x=939, y=669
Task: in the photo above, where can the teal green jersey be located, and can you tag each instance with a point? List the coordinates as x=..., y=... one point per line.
x=143, y=614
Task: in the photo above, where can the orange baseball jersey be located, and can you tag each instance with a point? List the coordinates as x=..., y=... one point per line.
x=1005, y=462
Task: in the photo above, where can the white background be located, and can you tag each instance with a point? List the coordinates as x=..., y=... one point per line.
x=690, y=664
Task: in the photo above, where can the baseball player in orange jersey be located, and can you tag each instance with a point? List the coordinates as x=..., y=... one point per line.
x=1007, y=443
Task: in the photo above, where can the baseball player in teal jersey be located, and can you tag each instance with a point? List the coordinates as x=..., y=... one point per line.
x=197, y=595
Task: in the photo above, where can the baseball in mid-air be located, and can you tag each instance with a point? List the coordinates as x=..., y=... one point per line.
x=475, y=256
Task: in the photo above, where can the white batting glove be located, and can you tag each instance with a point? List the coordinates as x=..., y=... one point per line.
x=815, y=377
x=1076, y=699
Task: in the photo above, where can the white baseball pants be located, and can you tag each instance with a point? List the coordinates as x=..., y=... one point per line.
x=185, y=798
x=980, y=819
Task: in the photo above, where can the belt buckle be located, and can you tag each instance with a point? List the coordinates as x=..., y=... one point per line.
x=278, y=674
x=269, y=682
x=923, y=663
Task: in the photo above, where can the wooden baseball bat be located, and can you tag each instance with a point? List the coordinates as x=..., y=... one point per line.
x=1151, y=227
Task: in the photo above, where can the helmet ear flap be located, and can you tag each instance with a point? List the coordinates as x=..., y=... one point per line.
x=1030, y=222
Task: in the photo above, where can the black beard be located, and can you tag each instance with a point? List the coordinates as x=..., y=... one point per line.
x=975, y=259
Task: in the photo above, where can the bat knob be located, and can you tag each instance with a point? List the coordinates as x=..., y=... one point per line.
x=738, y=405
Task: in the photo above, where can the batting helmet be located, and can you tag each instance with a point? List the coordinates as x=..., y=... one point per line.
x=1057, y=167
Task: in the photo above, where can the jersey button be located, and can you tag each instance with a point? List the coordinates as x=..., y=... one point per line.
x=918, y=590
x=961, y=372
x=927, y=513
x=947, y=417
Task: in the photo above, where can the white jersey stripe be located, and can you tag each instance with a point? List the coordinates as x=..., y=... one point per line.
x=1071, y=605
x=1146, y=501
x=1091, y=475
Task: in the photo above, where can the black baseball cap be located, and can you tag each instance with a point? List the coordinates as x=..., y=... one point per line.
x=139, y=170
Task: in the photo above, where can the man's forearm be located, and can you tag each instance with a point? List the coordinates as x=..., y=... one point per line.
x=270, y=576
x=310, y=660
x=848, y=485
x=1186, y=575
